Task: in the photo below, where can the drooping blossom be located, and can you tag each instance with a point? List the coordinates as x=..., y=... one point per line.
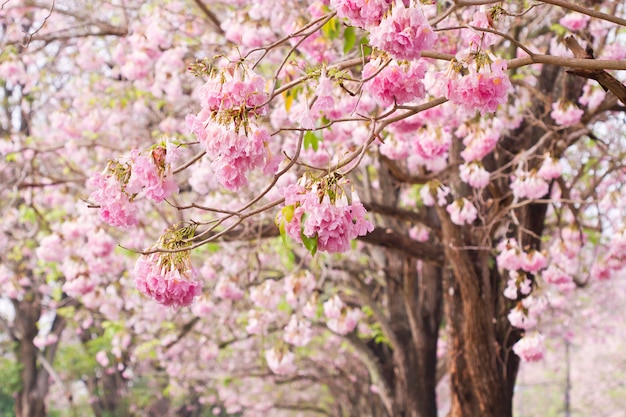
x=479, y=139
x=321, y=213
x=462, y=211
x=431, y=190
x=169, y=277
x=150, y=175
x=169, y=283
x=550, y=168
x=530, y=348
x=529, y=185
x=361, y=13
x=280, y=360
x=394, y=83
x=566, y=113
x=474, y=174
x=479, y=84
x=574, y=21
x=116, y=208
x=404, y=33
x=298, y=332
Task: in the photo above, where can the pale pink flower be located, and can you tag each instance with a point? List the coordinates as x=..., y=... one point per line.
x=533, y=261
x=346, y=322
x=550, y=168
x=298, y=332
x=102, y=358
x=169, y=280
x=530, y=348
x=529, y=185
x=462, y=211
x=115, y=206
x=266, y=295
x=510, y=256
x=333, y=307
x=574, y=21
x=280, y=361
x=474, y=174
x=362, y=13
x=228, y=290
x=419, y=233
x=566, y=114
x=395, y=83
x=404, y=33
x=481, y=89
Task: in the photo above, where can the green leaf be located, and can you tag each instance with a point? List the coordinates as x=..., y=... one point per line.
x=349, y=39
x=311, y=140
x=288, y=212
x=331, y=28
x=310, y=243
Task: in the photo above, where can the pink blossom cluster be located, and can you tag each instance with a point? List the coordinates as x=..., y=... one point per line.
x=566, y=114
x=122, y=183
x=404, y=33
x=430, y=190
x=280, y=360
x=150, y=175
x=479, y=138
x=483, y=88
x=527, y=313
x=474, y=174
x=225, y=126
x=574, y=21
x=513, y=258
x=550, y=168
x=530, y=348
x=518, y=281
x=614, y=260
x=298, y=332
x=362, y=13
x=116, y=208
x=462, y=211
x=168, y=278
x=529, y=185
x=322, y=211
x=341, y=319
x=395, y=83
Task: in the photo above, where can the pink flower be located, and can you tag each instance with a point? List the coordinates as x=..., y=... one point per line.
x=395, y=83
x=462, y=211
x=362, y=13
x=298, y=332
x=574, y=21
x=566, y=114
x=333, y=307
x=333, y=224
x=530, y=348
x=151, y=175
x=228, y=290
x=404, y=34
x=479, y=140
x=115, y=206
x=509, y=257
x=533, y=261
x=482, y=89
x=474, y=174
x=550, y=169
x=280, y=361
x=167, y=278
x=346, y=322
x=529, y=185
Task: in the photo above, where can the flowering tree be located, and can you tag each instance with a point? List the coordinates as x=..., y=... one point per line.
x=318, y=200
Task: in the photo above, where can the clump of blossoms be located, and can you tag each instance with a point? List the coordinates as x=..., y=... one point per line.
x=319, y=213
x=404, y=33
x=477, y=81
x=362, y=13
x=124, y=181
x=232, y=99
x=530, y=348
x=566, y=113
x=169, y=277
x=399, y=83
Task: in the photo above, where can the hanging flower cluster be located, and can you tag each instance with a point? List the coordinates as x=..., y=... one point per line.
x=168, y=277
x=477, y=81
x=399, y=83
x=231, y=100
x=320, y=214
x=129, y=179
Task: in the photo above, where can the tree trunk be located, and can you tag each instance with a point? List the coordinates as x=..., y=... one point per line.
x=30, y=400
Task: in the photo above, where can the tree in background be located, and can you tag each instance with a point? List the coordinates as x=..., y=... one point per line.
x=321, y=207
